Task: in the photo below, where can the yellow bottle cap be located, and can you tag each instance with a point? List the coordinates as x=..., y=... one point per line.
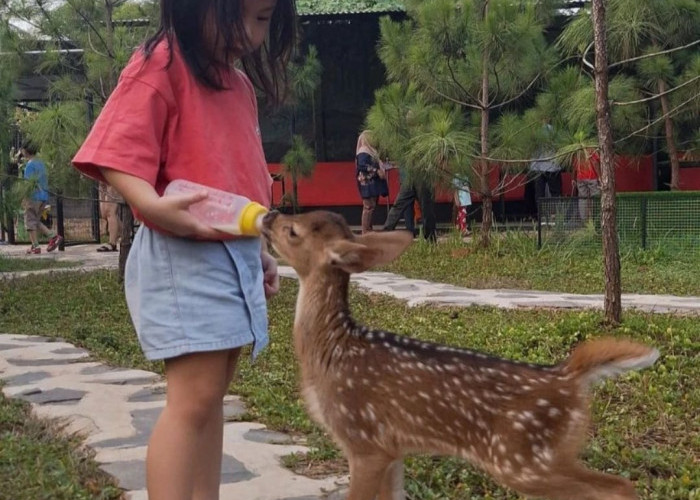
x=250, y=215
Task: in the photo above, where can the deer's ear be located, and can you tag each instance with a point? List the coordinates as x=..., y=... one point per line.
x=369, y=250
x=349, y=256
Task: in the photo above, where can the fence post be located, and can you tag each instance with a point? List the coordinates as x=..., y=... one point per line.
x=538, y=202
x=643, y=215
x=95, y=195
x=60, y=227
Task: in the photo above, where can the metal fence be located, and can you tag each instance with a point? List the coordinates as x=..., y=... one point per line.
x=76, y=219
x=644, y=220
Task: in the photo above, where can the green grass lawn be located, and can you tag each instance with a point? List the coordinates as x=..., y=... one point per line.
x=644, y=425
x=37, y=462
x=513, y=261
x=15, y=264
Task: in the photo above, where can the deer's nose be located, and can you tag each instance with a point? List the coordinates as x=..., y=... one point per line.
x=270, y=218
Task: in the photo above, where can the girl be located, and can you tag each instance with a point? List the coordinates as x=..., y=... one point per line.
x=371, y=178
x=182, y=111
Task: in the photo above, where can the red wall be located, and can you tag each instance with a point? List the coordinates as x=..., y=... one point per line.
x=334, y=184
x=690, y=179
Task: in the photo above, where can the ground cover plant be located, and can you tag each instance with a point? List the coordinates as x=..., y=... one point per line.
x=38, y=463
x=644, y=424
x=576, y=266
x=10, y=264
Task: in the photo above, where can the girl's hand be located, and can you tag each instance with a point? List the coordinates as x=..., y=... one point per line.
x=171, y=214
x=271, y=278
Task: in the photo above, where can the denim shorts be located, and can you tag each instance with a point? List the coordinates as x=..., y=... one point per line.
x=188, y=296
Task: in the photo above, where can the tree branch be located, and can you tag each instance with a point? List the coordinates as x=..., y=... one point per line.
x=655, y=96
x=662, y=117
x=92, y=27
x=654, y=54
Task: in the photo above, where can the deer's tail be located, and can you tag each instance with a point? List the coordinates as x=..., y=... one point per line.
x=608, y=357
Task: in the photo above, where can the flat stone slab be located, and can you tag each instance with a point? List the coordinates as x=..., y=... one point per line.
x=43, y=362
x=62, y=396
x=26, y=378
x=268, y=437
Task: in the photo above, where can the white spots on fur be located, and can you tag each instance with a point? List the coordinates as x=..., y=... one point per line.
x=553, y=412
x=542, y=402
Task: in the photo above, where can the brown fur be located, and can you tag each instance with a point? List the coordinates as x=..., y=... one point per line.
x=382, y=396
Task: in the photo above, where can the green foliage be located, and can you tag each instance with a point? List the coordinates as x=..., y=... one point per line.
x=643, y=28
x=36, y=461
x=61, y=125
x=338, y=6
x=300, y=159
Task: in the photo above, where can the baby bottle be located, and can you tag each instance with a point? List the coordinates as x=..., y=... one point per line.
x=221, y=210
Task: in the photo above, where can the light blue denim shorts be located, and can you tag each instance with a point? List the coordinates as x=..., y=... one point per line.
x=188, y=296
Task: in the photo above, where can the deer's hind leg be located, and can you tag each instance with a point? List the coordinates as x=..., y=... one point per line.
x=578, y=483
x=366, y=475
x=392, y=487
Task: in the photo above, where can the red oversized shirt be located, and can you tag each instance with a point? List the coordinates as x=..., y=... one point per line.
x=161, y=124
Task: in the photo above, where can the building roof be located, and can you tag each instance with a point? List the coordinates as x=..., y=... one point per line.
x=326, y=7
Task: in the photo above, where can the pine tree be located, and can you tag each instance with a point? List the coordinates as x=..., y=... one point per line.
x=467, y=61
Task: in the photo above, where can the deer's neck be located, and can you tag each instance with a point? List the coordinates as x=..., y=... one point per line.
x=322, y=320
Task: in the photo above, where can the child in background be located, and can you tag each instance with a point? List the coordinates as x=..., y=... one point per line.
x=182, y=110
x=463, y=200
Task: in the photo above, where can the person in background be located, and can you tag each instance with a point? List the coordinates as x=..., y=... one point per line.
x=463, y=200
x=546, y=172
x=35, y=171
x=586, y=173
x=371, y=178
x=408, y=194
x=109, y=211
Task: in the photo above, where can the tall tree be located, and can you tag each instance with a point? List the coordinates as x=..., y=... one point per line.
x=644, y=37
x=480, y=56
x=611, y=251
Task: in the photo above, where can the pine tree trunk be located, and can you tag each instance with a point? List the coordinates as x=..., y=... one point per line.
x=611, y=251
x=670, y=141
x=487, y=202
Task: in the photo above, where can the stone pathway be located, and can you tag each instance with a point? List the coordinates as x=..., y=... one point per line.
x=416, y=292
x=116, y=408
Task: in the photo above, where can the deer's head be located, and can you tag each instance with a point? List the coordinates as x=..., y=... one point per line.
x=322, y=241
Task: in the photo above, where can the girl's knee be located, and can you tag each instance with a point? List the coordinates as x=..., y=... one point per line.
x=198, y=411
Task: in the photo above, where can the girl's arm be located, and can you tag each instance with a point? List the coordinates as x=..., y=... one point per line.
x=167, y=212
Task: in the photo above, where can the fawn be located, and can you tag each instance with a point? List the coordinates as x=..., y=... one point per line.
x=382, y=396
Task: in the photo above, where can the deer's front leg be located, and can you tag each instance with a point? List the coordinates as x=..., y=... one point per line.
x=392, y=487
x=366, y=475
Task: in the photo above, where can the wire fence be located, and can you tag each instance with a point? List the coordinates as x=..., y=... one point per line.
x=670, y=220
x=76, y=219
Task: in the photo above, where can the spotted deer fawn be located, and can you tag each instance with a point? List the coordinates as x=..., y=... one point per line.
x=382, y=396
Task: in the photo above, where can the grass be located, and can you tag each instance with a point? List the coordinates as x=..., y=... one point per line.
x=39, y=462
x=513, y=261
x=17, y=264
x=645, y=424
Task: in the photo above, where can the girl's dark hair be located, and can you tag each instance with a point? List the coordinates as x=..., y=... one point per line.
x=187, y=21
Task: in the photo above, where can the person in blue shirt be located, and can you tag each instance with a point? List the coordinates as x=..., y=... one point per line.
x=35, y=171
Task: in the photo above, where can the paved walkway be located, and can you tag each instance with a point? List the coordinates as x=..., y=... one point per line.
x=116, y=408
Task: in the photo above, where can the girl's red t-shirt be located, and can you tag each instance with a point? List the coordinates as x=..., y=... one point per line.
x=161, y=124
